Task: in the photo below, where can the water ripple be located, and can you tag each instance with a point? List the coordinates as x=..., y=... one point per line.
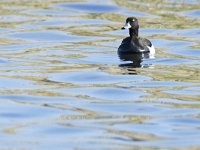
x=62, y=83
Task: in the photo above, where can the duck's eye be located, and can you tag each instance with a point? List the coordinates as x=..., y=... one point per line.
x=133, y=20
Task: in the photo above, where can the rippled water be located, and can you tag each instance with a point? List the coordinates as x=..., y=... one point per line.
x=62, y=85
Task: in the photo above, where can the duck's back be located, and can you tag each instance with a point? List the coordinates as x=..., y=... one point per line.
x=147, y=45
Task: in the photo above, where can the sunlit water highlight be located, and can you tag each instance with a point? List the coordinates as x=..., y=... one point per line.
x=63, y=86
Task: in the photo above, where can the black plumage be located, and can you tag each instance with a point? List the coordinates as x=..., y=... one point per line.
x=134, y=44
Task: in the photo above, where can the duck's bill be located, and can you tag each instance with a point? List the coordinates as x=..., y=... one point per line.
x=126, y=26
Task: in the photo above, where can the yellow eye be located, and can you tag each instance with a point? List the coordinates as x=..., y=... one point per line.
x=133, y=19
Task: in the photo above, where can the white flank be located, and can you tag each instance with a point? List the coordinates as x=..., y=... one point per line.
x=152, y=51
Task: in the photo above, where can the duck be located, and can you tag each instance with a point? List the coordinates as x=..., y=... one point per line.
x=135, y=44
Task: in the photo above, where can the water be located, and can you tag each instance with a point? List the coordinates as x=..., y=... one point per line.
x=62, y=85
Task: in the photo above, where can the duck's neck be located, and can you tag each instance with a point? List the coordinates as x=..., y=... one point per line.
x=133, y=33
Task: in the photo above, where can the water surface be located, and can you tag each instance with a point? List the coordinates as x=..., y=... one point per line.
x=63, y=85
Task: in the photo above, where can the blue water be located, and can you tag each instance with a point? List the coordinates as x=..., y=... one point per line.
x=63, y=86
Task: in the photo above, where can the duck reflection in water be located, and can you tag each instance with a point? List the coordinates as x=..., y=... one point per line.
x=136, y=59
x=135, y=48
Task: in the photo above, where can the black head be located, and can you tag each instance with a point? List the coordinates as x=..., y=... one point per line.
x=132, y=25
x=131, y=22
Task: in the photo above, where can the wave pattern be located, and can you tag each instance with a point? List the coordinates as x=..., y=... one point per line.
x=62, y=84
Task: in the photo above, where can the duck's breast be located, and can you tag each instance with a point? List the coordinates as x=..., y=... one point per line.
x=127, y=46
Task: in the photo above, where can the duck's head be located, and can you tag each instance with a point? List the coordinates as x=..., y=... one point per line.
x=132, y=25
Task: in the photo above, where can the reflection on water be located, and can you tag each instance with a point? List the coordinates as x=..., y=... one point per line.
x=136, y=60
x=63, y=84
